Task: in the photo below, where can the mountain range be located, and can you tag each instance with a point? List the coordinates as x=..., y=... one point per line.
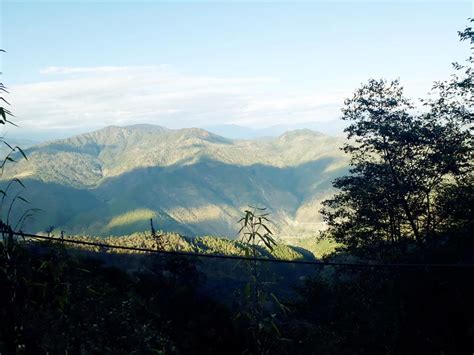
x=334, y=128
x=30, y=136
x=113, y=180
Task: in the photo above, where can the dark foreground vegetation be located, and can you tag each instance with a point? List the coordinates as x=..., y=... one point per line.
x=403, y=219
x=56, y=299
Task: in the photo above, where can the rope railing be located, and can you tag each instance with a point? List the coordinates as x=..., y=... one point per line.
x=238, y=257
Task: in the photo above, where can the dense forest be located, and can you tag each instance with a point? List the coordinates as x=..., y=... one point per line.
x=399, y=280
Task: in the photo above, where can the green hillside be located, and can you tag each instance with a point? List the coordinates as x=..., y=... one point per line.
x=112, y=181
x=202, y=245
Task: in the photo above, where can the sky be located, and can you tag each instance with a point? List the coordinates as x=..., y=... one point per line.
x=77, y=66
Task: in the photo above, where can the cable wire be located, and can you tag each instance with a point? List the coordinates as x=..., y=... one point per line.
x=237, y=257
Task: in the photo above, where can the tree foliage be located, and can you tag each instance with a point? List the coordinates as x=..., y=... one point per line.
x=403, y=161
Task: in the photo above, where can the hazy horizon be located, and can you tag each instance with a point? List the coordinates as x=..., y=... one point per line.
x=75, y=67
x=231, y=131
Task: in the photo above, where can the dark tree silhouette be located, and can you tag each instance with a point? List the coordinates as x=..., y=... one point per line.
x=402, y=163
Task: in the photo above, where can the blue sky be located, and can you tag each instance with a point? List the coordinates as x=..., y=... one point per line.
x=87, y=64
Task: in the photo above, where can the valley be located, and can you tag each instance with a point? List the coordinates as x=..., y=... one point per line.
x=190, y=181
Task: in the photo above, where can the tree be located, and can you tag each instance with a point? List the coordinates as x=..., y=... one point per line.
x=454, y=103
x=401, y=162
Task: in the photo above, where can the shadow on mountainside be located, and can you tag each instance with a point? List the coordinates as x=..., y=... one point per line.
x=202, y=198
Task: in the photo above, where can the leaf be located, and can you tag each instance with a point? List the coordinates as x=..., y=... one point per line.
x=284, y=308
x=3, y=99
x=21, y=152
x=13, y=124
x=83, y=270
x=275, y=328
x=23, y=199
x=258, y=208
x=266, y=228
x=269, y=246
x=19, y=182
x=43, y=265
x=8, y=145
x=90, y=289
x=4, y=112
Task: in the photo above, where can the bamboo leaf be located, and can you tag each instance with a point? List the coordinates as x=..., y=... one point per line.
x=8, y=145
x=21, y=152
x=3, y=99
x=19, y=182
x=23, y=199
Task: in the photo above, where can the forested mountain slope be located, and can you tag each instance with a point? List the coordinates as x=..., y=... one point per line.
x=112, y=181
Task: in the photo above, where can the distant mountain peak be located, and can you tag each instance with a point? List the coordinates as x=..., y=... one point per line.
x=194, y=181
x=233, y=131
x=202, y=134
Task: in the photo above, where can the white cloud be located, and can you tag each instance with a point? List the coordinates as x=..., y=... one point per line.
x=91, y=97
x=83, y=70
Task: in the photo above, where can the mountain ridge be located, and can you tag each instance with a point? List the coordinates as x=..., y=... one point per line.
x=189, y=180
